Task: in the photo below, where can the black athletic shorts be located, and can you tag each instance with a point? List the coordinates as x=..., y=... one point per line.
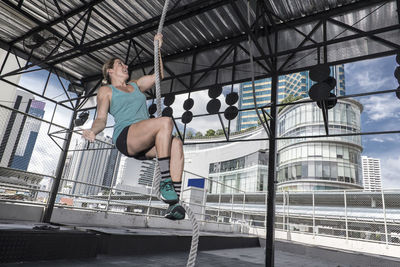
x=121, y=145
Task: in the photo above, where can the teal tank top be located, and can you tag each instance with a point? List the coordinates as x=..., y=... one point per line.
x=127, y=108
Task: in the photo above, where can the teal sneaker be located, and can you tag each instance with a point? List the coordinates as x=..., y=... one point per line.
x=175, y=212
x=168, y=194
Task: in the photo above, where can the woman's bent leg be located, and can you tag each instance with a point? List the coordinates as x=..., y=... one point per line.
x=148, y=133
x=176, y=159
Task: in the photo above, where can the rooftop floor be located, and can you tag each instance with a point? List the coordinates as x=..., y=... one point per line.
x=286, y=253
x=227, y=257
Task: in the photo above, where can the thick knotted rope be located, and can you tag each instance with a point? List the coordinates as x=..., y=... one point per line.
x=157, y=174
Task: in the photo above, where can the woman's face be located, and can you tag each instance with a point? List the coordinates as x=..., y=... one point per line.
x=119, y=70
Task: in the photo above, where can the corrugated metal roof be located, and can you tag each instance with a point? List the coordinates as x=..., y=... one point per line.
x=202, y=28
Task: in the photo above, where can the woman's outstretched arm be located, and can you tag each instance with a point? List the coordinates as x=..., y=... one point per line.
x=103, y=104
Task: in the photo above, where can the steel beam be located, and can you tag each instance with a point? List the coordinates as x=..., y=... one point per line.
x=300, y=45
x=49, y=56
x=138, y=29
x=57, y=20
x=191, y=10
x=270, y=209
x=42, y=26
x=33, y=92
x=371, y=36
x=250, y=32
x=60, y=167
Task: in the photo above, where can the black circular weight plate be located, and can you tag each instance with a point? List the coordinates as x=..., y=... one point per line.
x=231, y=113
x=152, y=108
x=169, y=99
x=398, y=58
x=213, y=106
x=188, y=104
x=187, y=117
x=319, y=73
x=319, y=91
x=398, y=92
x=231, y=98
x=397, y=74
x=215, y=91
x=329, y=103
x=167, y=112
x=331, y=82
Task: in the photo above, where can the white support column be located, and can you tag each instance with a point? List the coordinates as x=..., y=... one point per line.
x=345, y=214
x=384, y=219
x=313, y=213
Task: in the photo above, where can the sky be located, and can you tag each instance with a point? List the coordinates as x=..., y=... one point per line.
x=380, y=113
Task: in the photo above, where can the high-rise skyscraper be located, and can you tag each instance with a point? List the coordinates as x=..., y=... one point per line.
x=27, y=136
x=295, y=84
x=97, y=166
x=137, y=173
x=371, y=170
x=18, y=132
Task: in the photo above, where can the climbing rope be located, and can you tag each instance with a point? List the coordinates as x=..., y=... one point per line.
x=157, y=174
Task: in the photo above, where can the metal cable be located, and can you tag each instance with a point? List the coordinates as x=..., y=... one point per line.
x=252, y=70
x=157, y=174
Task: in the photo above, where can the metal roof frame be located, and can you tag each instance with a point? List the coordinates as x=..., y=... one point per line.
x=268, y=20
x=206, y=44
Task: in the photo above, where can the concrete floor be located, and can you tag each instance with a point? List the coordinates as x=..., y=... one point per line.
x=241, y=257
x=286, y=254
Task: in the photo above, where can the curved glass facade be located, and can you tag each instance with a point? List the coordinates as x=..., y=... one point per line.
x=248, y=173
x=319, y=163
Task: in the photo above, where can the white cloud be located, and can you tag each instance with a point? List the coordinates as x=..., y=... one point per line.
x=380, y=107
x=370, y=75
x=377, y=139
x=390, y=168
x=371, y=81
x=382, y=138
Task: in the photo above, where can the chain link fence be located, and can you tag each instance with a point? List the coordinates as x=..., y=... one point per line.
x=96, y=177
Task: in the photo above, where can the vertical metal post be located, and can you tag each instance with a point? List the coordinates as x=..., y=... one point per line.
x=151, y=191
x=345, y=213
x=112, y=182
x=384, y=218
x=266, y=200
x=313, y=213
x=232, y=207
x=270, y=236
x=204, y=202
x=60, y=167
x=284, y=210
x=325, y=36
x=244, y=203
x=219, y=202
x=288, y=207
x=149, y=205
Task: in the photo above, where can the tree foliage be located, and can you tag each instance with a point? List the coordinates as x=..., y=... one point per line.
x=210, y=132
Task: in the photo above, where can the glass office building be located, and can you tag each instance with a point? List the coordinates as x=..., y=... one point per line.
x=295, y=84
x=244, y=174
x=319, y=163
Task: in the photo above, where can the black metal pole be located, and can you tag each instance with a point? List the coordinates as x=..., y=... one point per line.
x=270, y=233
x=60, y=167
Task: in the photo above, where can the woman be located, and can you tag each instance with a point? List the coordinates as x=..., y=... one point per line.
x=135, y=135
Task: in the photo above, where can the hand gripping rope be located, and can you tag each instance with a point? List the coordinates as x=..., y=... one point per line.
x=157, y=174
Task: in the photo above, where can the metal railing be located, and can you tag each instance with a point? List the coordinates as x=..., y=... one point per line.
x=348, y=214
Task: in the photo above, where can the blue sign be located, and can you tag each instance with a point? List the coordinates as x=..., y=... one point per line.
x=196, y=182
